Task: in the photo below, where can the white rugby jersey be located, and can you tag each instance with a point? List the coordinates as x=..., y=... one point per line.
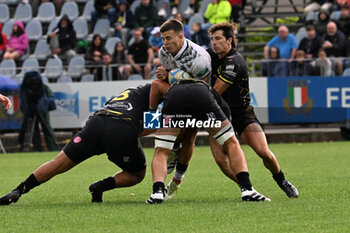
x=191, y=58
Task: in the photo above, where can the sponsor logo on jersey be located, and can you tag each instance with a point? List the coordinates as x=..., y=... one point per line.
x=121, y=105
x=297, y=100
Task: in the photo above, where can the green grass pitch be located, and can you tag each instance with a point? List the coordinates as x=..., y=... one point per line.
x=206, y=202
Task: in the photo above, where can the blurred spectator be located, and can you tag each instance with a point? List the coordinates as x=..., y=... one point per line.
x=285, y=42
x=120, y=57
x=274, y=66
x=18, y=43
x=200, y=36
x=3, y=42
x=30, y=105
x=311, y=43
x=323, y=65
x=145, y=17
x=335, y=44
x=124, y=21
x=93, y=55
x=109, y=72
x=218, y=11
x=321, y=24
x=102, y=8
x=187, y=33
x=140, y=55
x=300, y=67
x=319, y=5
x=343, y=22
x=174, y=10
x=155, y=40
x=36, y=3
x=62, y=39
x=237, y=6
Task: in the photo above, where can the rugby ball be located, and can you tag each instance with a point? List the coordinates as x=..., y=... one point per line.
x=177, y=74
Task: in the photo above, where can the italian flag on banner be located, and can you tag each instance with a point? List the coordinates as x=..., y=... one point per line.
x=297, y=96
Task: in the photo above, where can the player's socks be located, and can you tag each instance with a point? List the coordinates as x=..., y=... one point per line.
x=279, y=177
x=247, y=190
x=175, y=182
x=13, y=196
x=285, y=185
x=244, y=181
x=30, y=183
x=157, y=196
x=96, y=189
x=180, y=171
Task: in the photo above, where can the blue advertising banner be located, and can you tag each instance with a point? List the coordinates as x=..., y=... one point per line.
x=308, y=99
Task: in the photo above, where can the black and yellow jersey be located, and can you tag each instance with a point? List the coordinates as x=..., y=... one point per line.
x=232, y=69
x=129, y=105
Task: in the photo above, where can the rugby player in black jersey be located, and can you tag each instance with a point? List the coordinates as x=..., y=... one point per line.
x=113, y=130
x=192, y=97
x=230, y=79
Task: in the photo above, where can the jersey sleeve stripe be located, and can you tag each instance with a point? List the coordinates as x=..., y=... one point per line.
x=225, y=80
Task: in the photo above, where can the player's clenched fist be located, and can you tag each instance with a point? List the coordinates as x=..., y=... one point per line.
x=4, y=101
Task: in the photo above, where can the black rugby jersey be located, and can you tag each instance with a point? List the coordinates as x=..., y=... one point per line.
x=233, y=70
x=129, y=105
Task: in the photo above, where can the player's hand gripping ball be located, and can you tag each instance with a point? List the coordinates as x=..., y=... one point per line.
x=177, y=74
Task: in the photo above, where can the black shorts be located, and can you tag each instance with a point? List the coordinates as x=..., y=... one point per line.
x=243, y=118
x=113, y=136
x=193, y=99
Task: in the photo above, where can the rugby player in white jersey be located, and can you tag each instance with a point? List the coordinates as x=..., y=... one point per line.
x=178, y=52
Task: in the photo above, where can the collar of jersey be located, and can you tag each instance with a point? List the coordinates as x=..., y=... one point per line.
x=184, y=46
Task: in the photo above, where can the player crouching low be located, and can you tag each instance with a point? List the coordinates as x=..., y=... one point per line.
x=195, y=98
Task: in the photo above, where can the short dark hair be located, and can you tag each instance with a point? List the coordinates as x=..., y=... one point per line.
x=310, y=28
x=172, y=24
x=228, y=30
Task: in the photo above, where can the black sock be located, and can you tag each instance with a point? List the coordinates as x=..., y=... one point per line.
x=279, y=177
x=30, y=183
x=243, y=180
x=192, y=5
x=158, y=186
x=181, y=167
x=107, y=184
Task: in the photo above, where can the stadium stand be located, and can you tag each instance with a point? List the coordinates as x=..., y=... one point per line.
x=46, y=12
x=4, y=13
x=64, y=79
x=134, y=4
x=87, y=78
x=29, y=64
x=346, y=72
x=34, y=30
x=81, y=28
x=42, y=50
x=135, y=77
x=110, y=44
x=8, y=68
x=70, y=9
x=7, y=29
x=335, y=15
x=76, y=67
x=89, y=6
x=101, y=28
x=23, y=12
x=53, y=68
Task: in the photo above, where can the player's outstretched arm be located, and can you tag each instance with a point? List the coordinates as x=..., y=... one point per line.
x=4, y=101
x=158, y=90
